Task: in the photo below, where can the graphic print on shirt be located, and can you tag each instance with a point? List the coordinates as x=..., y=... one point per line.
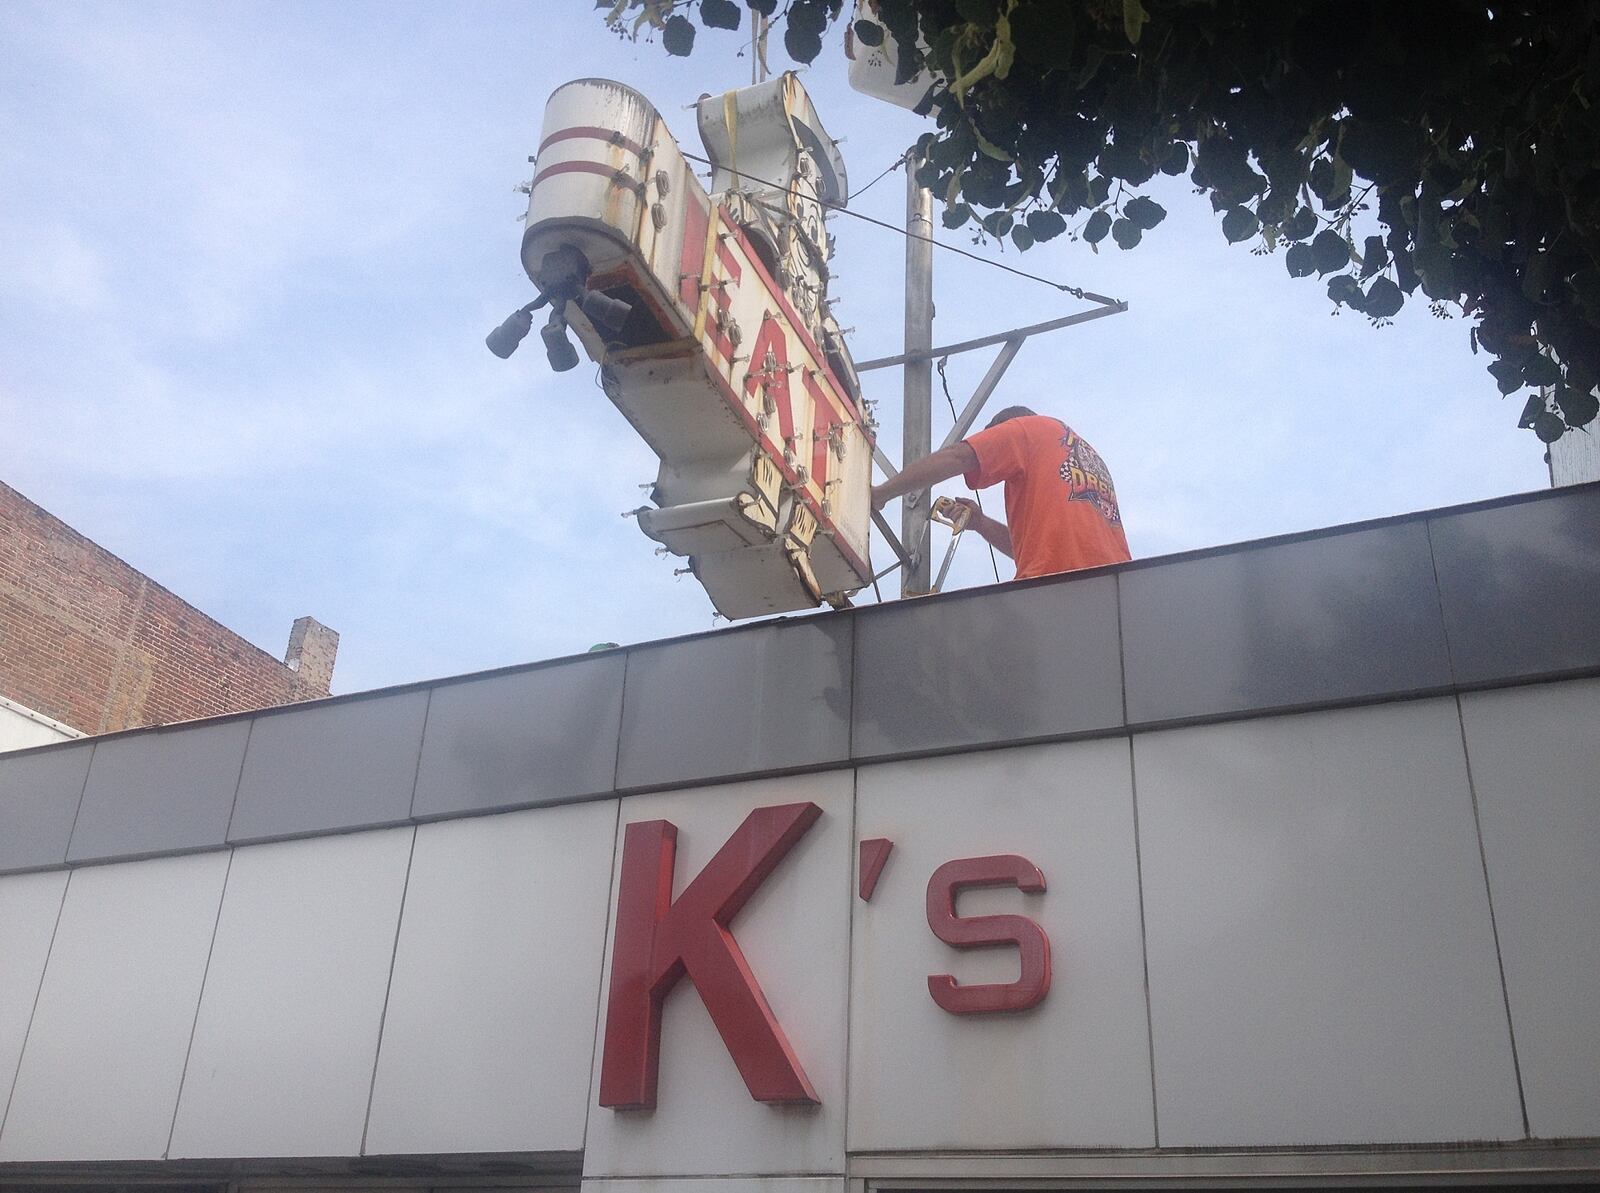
x=1088, y=478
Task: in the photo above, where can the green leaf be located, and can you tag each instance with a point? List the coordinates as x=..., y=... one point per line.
x=1240, y=223
x=809, y=16
x=720, y=14
x=1099, y=190
x=677, y=36
x=1300, y=225
x=1577, y=406
x=1531, y=409
x=1177, y=160
x=1586, y=285
x=1541, y=371
x=1508, y=375
x=1549, y=427
x=997, y=224
x=1046, y=225
x=1126, y=233
x=1373, y=256
x=765, y=7
x=1330, y=251
x=802, y=46
x=1301, y=262
x=1384, y=299
x=1133, y=18
x=1344, y=290
x=1021, y=237
x=868, y=33
x=1094, y=231
x=955, y=215
x=1147, y=213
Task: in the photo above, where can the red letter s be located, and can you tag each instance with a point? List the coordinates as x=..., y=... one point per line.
x=978, y=931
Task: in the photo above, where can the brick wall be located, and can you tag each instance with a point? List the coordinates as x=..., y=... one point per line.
x=86, y=639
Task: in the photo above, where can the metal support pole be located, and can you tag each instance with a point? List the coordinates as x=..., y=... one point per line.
x=918, y=413
x=974, y=406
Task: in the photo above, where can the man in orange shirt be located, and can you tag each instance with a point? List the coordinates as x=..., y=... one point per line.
x=1061, y=508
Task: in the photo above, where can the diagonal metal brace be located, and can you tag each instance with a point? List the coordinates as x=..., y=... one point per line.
x=890, y=537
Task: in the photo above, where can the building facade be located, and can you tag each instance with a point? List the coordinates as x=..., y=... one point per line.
x=1264, y=866
x=88, y=644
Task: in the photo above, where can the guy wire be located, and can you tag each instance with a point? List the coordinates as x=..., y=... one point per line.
x=1075, y=291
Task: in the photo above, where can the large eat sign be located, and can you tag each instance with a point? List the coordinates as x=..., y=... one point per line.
x=659, y=940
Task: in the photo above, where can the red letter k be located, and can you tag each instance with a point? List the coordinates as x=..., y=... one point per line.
x=658, y=941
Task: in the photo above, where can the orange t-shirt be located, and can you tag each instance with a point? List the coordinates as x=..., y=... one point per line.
x=1060, y=505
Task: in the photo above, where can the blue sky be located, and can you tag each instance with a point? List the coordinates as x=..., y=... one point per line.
x=248, y=255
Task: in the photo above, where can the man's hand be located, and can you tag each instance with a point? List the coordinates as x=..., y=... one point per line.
x=974, y=514
x=879, y=498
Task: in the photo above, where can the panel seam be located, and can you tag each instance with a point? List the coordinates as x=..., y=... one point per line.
x=850, y=944
x=34, y=1009
x=600, y=985
x=1122, y=652
x=1494, y=927
x=238, y=782
x=622, y=722
x=388, y=989
x=83, y=790
x=1144, y=941
x=194, y=1023
x=422, y=742
x=1438, y=598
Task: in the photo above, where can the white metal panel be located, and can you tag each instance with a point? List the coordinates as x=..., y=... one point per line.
x=99, y=1078
x=29, y=905
x=488, y=1035
x=744, y=1184
x=1535, y=754
x=795, y=933
x=1322, y=966
x=1073, y=1071
x=287, y=1033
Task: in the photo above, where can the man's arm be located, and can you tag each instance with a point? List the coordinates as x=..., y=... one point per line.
x=996, y=534
x=926, y=472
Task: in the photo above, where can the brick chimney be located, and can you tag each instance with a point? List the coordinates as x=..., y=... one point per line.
x=312, y=647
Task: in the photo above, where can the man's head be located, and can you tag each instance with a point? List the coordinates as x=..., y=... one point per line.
x=1009, y=413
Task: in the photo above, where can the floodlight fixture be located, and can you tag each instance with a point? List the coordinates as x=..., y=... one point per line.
x=557, y=347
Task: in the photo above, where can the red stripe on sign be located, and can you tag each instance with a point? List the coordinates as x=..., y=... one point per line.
x=862, y=570
x=782, y=300
x=729, y=261
x=591, y=132
x=610, y=172
x=693, y=258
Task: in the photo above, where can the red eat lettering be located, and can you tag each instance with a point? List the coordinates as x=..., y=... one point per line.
x=777, y=383
x=823, y=420
x=986, y=930
x=657, y=941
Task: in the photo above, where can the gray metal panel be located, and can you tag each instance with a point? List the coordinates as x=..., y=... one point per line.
x=1005, y=665
x=39, y=793
x=1073, y=1071
x=530, y=737
x=1322, y=965
x=287, y=1033
x=762, y=699
x=1535, y=754
x=99, y=1078
x=1518, y=586
x=339, y=765
x=489, y=1026
x=29, y=905
x=1340, y=617
x=160, y=791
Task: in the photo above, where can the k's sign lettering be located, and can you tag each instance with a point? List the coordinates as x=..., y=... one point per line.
x=659, y=940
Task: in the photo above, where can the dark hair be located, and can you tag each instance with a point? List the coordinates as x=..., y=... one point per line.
x=1009, y=413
